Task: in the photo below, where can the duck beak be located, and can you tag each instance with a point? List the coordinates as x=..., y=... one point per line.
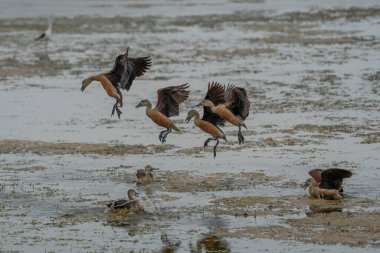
x=136, y=194
x=200, y=104
x=83, y=87
x=154, y=168
x=137, y=106
x=187, y=119
x=305, y=185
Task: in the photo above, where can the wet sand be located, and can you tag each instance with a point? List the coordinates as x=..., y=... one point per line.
x=311, y=71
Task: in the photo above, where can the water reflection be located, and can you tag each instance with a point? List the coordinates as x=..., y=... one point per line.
x=317, y=209
x=171, y=246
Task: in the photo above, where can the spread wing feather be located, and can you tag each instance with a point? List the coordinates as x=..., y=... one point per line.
x=170, y=97
x=237, y=101
x=215, y=93
x=333, y=178
x=126, y=69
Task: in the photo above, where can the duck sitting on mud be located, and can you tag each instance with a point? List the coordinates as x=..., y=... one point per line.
x=327, y=184
x=145, y=176
x=168, y=100
x=320, y=193
x=129, y=203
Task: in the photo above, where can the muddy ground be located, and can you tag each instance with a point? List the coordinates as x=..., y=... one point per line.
x=311, y=72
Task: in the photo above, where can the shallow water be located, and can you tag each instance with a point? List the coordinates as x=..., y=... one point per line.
x=312, y=76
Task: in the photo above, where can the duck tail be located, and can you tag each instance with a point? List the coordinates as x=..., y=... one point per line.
x=176, y=128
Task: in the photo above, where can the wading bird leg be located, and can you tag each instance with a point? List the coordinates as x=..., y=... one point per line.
x=240, y=136
x=217, y=142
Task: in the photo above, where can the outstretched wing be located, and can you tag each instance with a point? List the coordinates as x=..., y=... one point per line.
x=316, y=174
x=333, y=178
x=134, y=67
x=126, y=69
x=170, y=97
x=215, y=93
x=237, y=101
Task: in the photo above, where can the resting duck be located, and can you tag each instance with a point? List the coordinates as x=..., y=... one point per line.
x=124, y=71
x=129, y=203
x=209, y=121
x=145, y=176
x=232, y=105
x=168, y=102
x=328, y=182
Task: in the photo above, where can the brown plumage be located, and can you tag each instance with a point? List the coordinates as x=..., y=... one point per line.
x=229, y=104
x=327, y=184
x=124, y=71
x=109, y=87
x=168, y=100
x=145, y=176
x=129, y=203
x=208, y=125
x=320, y=193
x=330, y=178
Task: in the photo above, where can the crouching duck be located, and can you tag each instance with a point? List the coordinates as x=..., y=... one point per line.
x=327, y=184
x=129, y=203
x=145, y=176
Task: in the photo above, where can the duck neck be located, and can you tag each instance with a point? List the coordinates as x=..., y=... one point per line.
x=131, y=196
x=148, y=106
x=196, y=115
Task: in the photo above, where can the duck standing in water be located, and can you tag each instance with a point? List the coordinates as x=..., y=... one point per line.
x=233, y=106
x=124, y=71
x=129, y=203
x=145, y=176
x=329, y=182
x=168, y=102
x=210, y=120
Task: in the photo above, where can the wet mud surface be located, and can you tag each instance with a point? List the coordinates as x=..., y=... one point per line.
x=311, y=72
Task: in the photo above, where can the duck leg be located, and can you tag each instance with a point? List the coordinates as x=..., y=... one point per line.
x=165, y=135
x=240, y=136
x=116, y=108
x=207, y=141
x=217, y=142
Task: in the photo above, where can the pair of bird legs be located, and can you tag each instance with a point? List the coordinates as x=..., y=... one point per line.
x=116, y=108
x=164, y=134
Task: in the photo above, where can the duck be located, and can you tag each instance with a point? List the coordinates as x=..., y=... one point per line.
x=129, y=203
x=232, y=105
x=145, y=176
x=168, y=100
x=209, y=121
x=320, y=193
x=327, y=184
x=124, y=71
x=331, y=178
